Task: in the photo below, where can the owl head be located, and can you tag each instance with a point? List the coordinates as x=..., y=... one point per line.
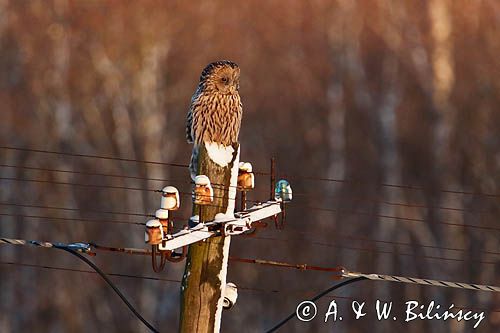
x=222, y=76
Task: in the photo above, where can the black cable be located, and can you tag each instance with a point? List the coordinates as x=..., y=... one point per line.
x=112, y=158
x=103, y=275
x=337, y=286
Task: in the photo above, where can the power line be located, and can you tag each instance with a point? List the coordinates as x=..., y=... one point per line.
x=110, y=283
x=374, y=250
x=296, y=231
x=80, y=184
x=93, y=156
x=394, y=243
x=339, y=270
x=284, y=293
x=135, y=251
x=302, y=267
x=309, y=241
x=112, y=158
x=292, y=206
x=69, y=219
x=88, y=248
x=141, y=277
x=93, y=173
x=349, y=181
x=81, y=247
x=424, y=282
x=410, y=219
x=298, y=194
x=391, y=203
x=73, y=209
x=161, y=279
x=152, y=278
x=363, y=249
x=178, y=181
x=110, y=187
x=409, y=187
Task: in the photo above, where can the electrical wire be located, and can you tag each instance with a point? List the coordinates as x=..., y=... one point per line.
x=93, y=156
x=374, y=250
x=317, y=297
x=80, y=184
x=86, y=173
x=287, y=176
x=285, y=293
x=111, y=158
x=189, y=194
x=135, y=251
x=73, y=209
x=152, y=278
x=301, y=232
x=297, y=194
x=64, y=219
x=394, y=243
x=402, y=186
x=333, y=210
x=111, y=284
x=221, y=187
x=423, y=282
x=402, y=218
x=312, y=242
x=390, y=203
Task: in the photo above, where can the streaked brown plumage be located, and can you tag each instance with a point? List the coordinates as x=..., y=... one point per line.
x=215, y=112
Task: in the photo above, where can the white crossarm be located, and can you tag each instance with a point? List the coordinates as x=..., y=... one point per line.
x=185, y=237
x=244, y=220
x=232, y=226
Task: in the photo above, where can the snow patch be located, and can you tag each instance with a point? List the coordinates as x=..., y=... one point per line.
x=232, y=185
x=221, y=217
x=245, y=166
x=220, y=154
x=222, y=277
x=161, y=214
x=201, y=180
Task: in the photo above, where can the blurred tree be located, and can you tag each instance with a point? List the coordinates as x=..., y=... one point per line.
x=375, y=91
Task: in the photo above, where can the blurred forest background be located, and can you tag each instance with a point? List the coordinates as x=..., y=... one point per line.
x=376, y=92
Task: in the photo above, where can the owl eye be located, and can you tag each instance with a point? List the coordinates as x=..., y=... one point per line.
x=225, y=79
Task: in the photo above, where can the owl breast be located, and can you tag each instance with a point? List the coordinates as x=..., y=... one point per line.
x=217, y=118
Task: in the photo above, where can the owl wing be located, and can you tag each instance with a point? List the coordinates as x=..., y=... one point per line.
x=189, y=126
x=189, y=121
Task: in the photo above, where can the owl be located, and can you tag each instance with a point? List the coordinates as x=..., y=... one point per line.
x=215, y=112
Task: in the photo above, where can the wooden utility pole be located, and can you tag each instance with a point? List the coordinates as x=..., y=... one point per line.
x=206, y=265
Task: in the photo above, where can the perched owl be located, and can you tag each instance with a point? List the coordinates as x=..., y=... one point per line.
x=215, y=112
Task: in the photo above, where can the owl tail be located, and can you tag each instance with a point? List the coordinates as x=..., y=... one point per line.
x=193, y=165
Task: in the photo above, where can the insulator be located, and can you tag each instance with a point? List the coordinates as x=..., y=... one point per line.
x=230, y=295
x=170, y=199
x=154, y=232
x=203, y=191
x=246, y=178
x=283, y=191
